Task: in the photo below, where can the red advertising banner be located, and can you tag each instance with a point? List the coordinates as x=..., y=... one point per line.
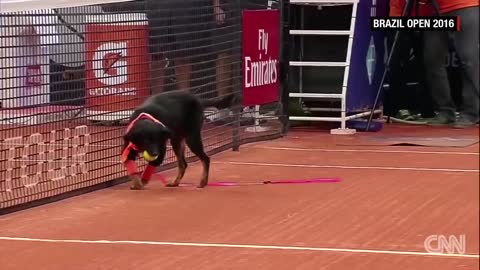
x=117, y=70
x=261, y=46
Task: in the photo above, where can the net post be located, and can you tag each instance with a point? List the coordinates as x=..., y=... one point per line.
x=284, y=94
x=237, y=84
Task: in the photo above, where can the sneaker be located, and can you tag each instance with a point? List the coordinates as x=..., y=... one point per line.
x=464, y=122
x=440, y=120
x=248, y=112
x=404, y=115
x=216, y=116
x=211, y=114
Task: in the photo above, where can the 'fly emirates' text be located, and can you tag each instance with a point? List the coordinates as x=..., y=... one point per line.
x=261, y=72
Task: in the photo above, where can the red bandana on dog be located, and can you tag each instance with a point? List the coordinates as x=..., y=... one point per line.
x=130, y=164
x=131, y=146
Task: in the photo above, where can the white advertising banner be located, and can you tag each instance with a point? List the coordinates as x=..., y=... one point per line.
x=24, y=63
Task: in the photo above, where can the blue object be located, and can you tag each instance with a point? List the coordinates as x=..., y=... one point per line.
x=361, y=125
x=368, y=57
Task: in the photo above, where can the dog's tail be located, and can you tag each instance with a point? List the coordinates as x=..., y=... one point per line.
x=220, y=102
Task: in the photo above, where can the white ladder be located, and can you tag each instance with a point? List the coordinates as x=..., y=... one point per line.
x=346, y=65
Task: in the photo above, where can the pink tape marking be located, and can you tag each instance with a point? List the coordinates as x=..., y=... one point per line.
x=300, y=181
x=160, y=177
x=305, y=181
x=231, y=184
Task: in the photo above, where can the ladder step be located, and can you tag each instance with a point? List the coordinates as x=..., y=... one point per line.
x=314, y=95
x=315, y=109
x=323, y=1
x=321, y=32
x=315, y=118
x=317, y=64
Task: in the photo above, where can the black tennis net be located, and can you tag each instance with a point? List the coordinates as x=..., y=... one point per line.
x=71, y=75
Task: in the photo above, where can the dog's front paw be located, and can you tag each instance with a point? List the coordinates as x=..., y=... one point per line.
x=136, y=187
x=136, y=183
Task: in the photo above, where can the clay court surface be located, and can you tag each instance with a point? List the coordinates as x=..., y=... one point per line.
x=389, y=201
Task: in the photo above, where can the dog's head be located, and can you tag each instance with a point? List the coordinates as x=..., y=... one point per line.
x=149, y=136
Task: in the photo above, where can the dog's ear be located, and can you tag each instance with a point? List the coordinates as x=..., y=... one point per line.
x=128, y=136
x=166, y=133
x=132, y=134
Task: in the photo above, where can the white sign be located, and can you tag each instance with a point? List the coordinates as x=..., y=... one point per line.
x=109, y=63
x=45, y=157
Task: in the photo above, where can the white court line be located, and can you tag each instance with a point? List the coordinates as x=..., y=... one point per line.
x=347, y=167
x=241, y=246
x=300, y=166
x=365, y=150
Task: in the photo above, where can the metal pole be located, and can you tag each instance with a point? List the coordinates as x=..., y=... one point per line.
x=284, y=6
x=237, y=91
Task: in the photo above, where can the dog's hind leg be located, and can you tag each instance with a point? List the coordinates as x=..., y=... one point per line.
x=194, y=142
x=178, y=146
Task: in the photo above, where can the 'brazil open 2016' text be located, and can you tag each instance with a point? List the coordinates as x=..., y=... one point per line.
x=415, y=23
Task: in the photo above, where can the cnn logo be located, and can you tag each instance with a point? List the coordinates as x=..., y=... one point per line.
x=443, y=244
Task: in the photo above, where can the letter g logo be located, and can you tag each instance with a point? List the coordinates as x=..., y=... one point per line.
x=109, y=64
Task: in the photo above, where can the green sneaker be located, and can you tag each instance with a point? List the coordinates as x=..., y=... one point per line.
x=464, y=122
x=404, y=115
x=407, y=117
x=440, y=120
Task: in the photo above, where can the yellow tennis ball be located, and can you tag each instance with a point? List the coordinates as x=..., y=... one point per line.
x=148, y=157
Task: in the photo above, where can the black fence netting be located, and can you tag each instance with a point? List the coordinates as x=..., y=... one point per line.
x=70, y=77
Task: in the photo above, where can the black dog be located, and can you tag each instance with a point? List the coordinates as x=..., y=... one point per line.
x=177, y=116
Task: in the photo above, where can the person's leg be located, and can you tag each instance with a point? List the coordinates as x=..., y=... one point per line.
x=223, y=83
x=183, y=72
x=224, y=74
x=395, y=96
x=159, y=20
x=424, y=104
x=223, y=41
x=183, y=32
x=434, y=54
x=157, y=75
x=466, y=45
